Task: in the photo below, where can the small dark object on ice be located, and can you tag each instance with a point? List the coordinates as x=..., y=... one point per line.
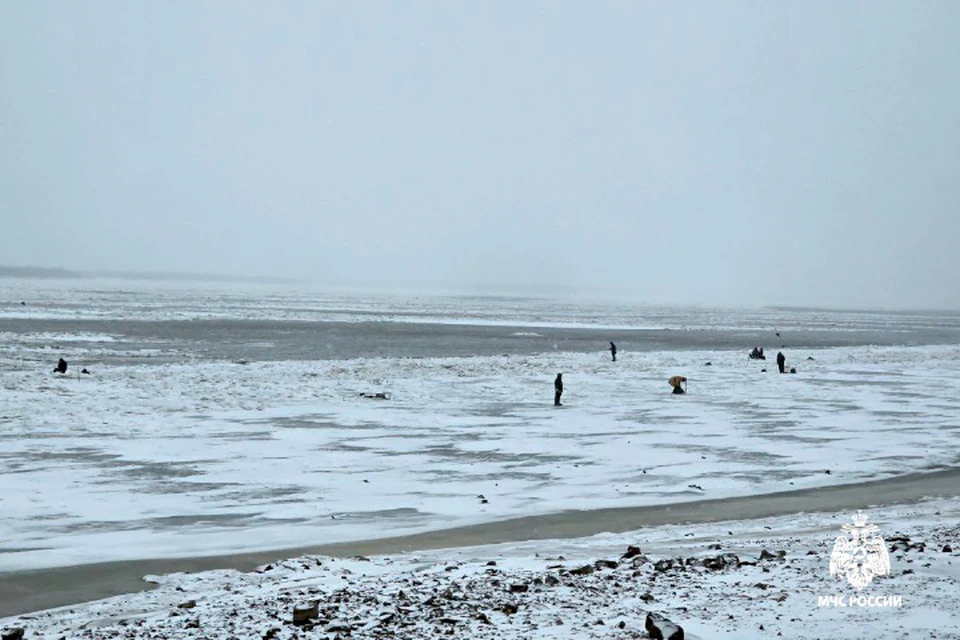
x=695, y=486
x=13, y=634
x=376, y=396
x=84, y=371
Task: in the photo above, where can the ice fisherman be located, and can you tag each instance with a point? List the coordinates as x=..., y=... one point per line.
x=61, y=366
x=613, y=351
x=781, y=361
x=557, y=390
x=677, y=383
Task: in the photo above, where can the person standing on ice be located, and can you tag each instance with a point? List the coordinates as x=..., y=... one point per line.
x=557, y=390
x=613, y=351
x=781, y=361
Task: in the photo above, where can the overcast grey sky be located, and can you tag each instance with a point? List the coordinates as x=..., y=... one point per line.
x=717, y=152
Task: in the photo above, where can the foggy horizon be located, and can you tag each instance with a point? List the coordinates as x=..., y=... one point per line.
x=732, y=154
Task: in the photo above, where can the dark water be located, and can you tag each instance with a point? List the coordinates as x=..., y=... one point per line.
x=279, y=340
x=224, y=322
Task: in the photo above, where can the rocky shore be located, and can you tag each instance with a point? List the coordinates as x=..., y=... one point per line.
x=749, y=579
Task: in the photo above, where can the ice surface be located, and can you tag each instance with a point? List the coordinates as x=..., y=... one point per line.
x=200, y=458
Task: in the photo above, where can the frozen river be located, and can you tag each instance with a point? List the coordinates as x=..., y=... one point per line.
x=217, y=420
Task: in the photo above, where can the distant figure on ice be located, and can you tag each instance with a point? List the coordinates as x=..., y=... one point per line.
x=61, y=366
x=781, y=361
x=677, y=383
x=613, y=351
x=557, y=390
x=757, y=354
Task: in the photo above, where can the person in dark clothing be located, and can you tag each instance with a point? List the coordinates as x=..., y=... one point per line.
x=61, y=366
x=613, y=351
x=557, y=390
x=781, y=361
x=677, y=383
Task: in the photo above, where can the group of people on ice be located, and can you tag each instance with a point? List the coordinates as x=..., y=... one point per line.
x=678, y=383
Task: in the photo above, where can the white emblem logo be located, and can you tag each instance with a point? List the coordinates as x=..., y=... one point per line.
x=861, y=555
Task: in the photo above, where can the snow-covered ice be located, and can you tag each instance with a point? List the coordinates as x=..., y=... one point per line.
x=199, y=458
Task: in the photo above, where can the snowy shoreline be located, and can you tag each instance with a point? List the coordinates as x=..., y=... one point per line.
x=576, y=588
x=40, y=589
